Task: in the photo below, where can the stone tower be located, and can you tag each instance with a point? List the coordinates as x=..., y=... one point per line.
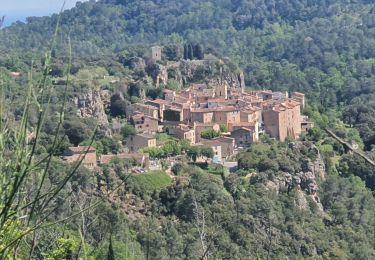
x=156, y=53
x=221, y=90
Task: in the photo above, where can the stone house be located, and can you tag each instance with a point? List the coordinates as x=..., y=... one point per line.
x=223, y=147
x=204, y=116
x=253, y=126
x=216, y=148
x=299, y=97
x=145, y=109
x=183, y=132
x=160, y=105
x=283, y=120
x=75, y=154
x=251, y=114
x=227, y=146
x=306, y=124
x=227, y=115
x=244, y=137
x=145, y=124
x=201, y=127
x=139, y=141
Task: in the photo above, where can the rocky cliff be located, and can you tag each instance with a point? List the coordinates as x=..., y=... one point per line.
x=91, y=104
x=191, y=71
x=304, y=182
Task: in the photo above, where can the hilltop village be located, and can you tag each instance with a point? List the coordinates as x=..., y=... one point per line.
x=246, y=115
x=215, y=115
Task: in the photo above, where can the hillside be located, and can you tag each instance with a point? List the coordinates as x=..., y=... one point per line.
x=322, y=48
x=307, y=198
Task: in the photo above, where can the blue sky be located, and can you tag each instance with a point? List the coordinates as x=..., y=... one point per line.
x=20, y=9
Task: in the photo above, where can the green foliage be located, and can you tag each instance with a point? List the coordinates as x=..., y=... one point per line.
x=171, y=147
x=173, y=84
x=77, y=131
x=64, y=249
x=111, y=253
x=210, y=134
x=128, y=130
x=172, y=52
x=322, y=48
x=224, y=129
x=118, y=106
x=147, y=183
x=352, y=165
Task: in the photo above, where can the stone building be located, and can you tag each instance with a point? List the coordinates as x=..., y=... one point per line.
x=146, y=109
x=84, y=153
x=145, y=124
x=282, y=120
x=183, y=132
x=244, y=137
x=160, y=104
x=139, y=141
x=299, y=97
x=227, y=146
x=221, y=91
x=201, y=127
x=156, y=53
x=223, y=147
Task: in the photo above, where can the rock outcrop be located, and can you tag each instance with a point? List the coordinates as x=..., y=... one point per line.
x=186, y=71
x=159, y=73
x=92, y=105
x=304, y=182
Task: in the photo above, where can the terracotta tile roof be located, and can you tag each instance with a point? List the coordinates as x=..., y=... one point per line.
x=158, y=101
x=146, y=106
x=244, y=124
x=82, y=149
x=216, y=109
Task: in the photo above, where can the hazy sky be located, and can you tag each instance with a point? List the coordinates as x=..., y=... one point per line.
x=20, y=9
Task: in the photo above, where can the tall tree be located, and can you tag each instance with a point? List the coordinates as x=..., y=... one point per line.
x=190, y=52
x=198, y=51
x=111, y=253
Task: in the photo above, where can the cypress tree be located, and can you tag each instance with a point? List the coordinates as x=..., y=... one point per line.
x=198, y=52
x=185, y=52
x=111, y=253
x=190, y=52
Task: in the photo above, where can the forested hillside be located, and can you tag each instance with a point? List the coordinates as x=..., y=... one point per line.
x=323, y=48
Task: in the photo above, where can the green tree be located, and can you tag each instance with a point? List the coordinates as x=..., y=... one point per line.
x=111, y=253
x=117, y=106
x=198, y=52
x=128, y=130
x=210, y=134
